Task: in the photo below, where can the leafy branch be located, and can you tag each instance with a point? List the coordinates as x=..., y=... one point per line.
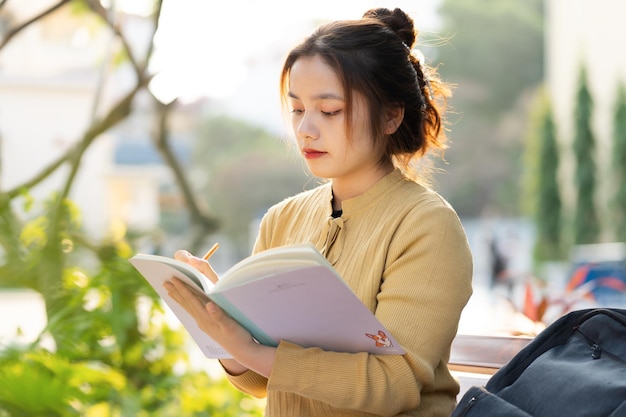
x=13, y=32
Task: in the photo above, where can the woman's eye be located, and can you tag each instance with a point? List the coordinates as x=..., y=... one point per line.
x=297, y=111
x=331, y=113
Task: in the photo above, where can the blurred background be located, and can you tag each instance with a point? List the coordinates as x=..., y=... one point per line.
x=148, y=126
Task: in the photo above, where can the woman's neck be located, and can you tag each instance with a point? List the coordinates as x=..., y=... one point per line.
x=345, y=189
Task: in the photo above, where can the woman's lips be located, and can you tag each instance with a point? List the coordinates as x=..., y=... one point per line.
x=312, y=153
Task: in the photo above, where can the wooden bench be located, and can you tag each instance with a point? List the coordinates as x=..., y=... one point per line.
x=474, y=358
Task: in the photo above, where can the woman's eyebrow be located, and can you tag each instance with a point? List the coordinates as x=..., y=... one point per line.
x=322, y=96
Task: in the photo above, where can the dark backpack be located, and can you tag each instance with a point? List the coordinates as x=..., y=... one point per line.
x=575, y=367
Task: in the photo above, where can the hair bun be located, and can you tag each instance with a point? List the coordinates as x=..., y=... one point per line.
x=398, y=21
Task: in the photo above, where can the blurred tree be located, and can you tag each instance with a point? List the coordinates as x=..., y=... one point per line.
x=619, y=165
x=107, y=348
x=586, y=225
x=243, y=171
x=542, y=196
x=103, y=119
x=113, y=352
x=492, y=52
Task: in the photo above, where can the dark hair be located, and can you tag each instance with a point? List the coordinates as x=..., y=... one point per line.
x=373, y=56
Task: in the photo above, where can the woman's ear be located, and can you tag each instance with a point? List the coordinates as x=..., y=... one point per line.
x=393, y=118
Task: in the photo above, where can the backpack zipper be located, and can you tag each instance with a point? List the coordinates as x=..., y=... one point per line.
x=596, y=350
x=469, y=405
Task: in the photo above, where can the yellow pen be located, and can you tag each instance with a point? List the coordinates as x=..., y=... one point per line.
x=211, y=251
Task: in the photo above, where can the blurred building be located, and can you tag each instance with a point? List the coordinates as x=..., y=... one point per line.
x=56, y=77
x=48, y=81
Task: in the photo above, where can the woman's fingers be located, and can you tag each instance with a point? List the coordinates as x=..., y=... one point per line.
x=200, y=264
x=214, y=321
x=182, y=255
x=190, y=300
x=207, y=314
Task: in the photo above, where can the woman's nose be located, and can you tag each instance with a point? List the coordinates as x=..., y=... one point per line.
x=306, y=128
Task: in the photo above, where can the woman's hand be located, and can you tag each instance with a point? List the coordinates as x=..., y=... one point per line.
x=212, y=320
x=200, y=264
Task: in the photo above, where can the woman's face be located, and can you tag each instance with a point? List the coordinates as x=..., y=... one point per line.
x=318, y=117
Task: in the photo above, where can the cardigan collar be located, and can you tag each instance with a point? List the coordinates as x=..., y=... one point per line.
x=373, y=194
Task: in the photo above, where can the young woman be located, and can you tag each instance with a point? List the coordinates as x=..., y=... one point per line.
x=363, y=108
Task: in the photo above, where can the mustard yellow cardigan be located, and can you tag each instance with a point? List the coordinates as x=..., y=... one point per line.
x=403, y=251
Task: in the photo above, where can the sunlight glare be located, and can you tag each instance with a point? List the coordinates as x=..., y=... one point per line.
x=204, y=49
